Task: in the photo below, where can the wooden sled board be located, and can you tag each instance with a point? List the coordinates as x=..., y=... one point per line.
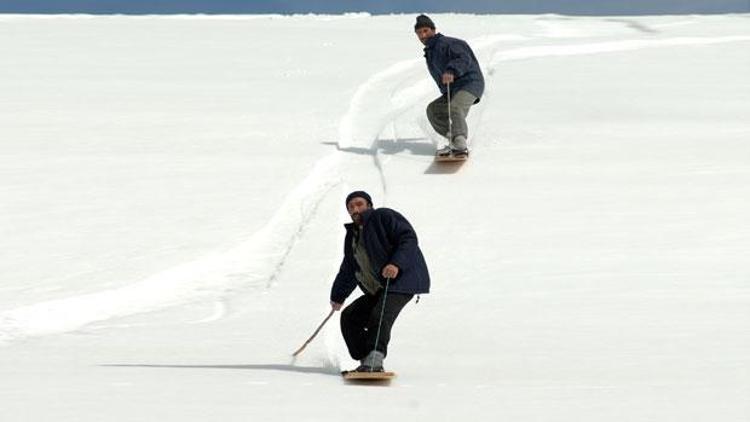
x=450, y=159
x=368, y=376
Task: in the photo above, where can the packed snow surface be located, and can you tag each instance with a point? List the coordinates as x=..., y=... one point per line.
x=171, y=210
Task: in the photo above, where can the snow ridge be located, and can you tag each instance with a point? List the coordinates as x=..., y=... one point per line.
x=388, y=93
x=254, y=263
x=407, y=84
x=605, y=47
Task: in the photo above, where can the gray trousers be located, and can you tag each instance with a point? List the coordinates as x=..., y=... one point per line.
x=437, y=113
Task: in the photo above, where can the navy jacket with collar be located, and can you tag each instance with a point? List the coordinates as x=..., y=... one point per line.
x=389, y=239
x=446, y=54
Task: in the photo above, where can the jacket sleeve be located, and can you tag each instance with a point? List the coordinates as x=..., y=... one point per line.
x=459, y=58
x=402, y=235
x=345, y=283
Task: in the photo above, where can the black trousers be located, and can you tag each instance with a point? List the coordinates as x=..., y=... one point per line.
x=359, y=322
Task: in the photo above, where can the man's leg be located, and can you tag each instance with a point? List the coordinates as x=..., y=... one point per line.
x=354, y=320
x=394, y=303
x=437, y=114
x=461, y=102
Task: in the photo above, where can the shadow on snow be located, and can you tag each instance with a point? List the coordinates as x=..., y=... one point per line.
x=252, y=367
x=416, y=146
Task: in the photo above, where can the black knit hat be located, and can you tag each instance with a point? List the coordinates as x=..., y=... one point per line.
x=423, y=21
x=358, y=194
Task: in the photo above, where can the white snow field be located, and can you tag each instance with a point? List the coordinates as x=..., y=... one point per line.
x=171, y=201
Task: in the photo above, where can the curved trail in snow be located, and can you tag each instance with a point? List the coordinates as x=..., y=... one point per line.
x=407, y=84
x=254, y=263
x=258, y=261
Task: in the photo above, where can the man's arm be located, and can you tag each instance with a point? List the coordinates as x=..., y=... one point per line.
x=459, y=60
x=344, y=284
x=404, y=239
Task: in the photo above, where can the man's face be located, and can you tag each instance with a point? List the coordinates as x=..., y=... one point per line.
x=424, y=34
x=356, y=207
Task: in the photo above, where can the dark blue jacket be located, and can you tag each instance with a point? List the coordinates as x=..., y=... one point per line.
x=446, y=54
x=388, y=239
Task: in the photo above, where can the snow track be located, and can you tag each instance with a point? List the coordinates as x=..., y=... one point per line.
x=254, y=263
x=380, y=100
x=524, y=53
x=389, y=93
x=598, y=271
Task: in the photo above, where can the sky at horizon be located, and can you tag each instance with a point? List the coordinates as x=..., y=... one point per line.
x=575, y=7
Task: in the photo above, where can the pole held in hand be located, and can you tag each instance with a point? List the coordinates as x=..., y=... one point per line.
x=450, y=119
x=314, y=334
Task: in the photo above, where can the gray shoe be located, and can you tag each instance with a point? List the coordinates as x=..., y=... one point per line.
x=368, y=368
x=459, y=143
x=373, y=362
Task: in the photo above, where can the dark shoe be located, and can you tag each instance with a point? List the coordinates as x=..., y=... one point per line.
x=460, y=153
x=444, y=152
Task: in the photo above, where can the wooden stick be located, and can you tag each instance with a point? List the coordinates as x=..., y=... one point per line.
x=314, y=334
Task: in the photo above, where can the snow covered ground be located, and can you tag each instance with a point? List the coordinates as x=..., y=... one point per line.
x=171, y=201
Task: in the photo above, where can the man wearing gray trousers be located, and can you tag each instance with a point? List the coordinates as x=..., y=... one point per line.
x=456, y=71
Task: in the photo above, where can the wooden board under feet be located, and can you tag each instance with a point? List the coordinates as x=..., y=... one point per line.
x=374, y=376
x=450, y=159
